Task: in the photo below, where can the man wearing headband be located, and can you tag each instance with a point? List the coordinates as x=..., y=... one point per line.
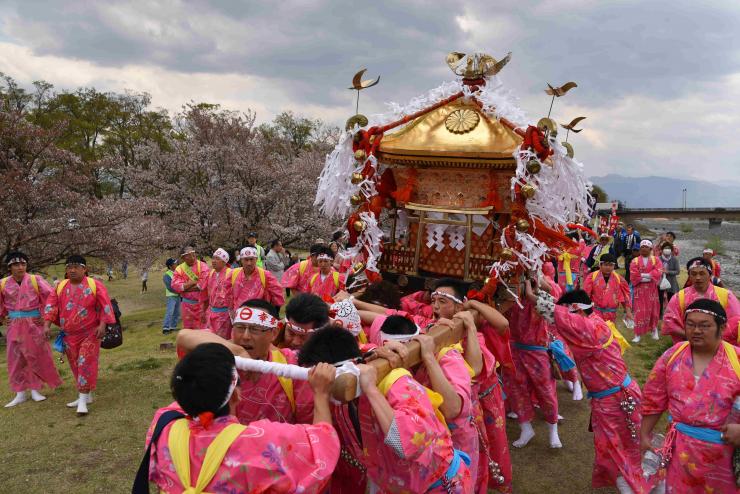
x=189, y=280
x=30, y=364
x=81, y=307
x=646, y=271
x=327, y=281
x=258, y=456
x=298, y=276
x=708, y=255
x=615, y=397
x=696, y=382
x=172, y=312
x=608, y=290
x=701, y=287
x=218, y=293
x=255, y=327
x=391, y=435
x=251, y=282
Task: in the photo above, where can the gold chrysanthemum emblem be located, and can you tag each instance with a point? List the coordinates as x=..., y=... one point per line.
x=462, y=121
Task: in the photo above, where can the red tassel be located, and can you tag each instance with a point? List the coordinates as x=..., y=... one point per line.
x=206, y=419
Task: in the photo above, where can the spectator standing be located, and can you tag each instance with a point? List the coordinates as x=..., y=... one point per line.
x=172, y=313
x=631, y=242
x=124, y=269
x=619, y=234
x=252, y=242
x=276, y=260
x=144, y=279
x=110, y=272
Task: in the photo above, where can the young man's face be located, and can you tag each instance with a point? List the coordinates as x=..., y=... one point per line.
x=18, y=269
x=295, y=339
x=444, y=307
x=607, y=268
x=699, y=277
x=645, y=251
x=252, y=240
x=702, y=332
x=325, y=265
x=254, y=339
x=707, y=256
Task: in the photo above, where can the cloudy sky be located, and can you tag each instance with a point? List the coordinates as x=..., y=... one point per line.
x=658, y=80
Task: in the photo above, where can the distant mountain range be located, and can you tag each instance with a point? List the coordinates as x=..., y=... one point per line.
x=664, y=192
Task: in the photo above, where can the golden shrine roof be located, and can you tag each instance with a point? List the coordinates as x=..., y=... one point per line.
x=457, y=134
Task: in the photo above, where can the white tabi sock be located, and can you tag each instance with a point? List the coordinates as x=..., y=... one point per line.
x=512, y=415
x=656, y=336
x=526, y=435
x=73, y=404
x=36, y=396
x=623, y=486
x=569, y=385
x=577, y=391
x=82, y=404
x=20, y=397
x=636, y=339
x=554, y=438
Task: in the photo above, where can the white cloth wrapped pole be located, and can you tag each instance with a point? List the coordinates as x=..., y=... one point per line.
x=282, y=370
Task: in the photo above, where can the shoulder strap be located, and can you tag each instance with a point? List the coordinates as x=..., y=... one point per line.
x=680, y=349
x=234, y=274
x=285, y=382
x=179, y=446
x=594, y=275
x=390, y=379
x=302, y=267
x=3, y=282
x=313, y=279
x=141, y=482
x=732, y=357
x=61, y=286
x=653, y=260
x=215, y=454
x=336, y=280
x=263, y=277
x=682, y=300
x=722, y=295
x=35, y=283
x=619, y=280
x=93, y=286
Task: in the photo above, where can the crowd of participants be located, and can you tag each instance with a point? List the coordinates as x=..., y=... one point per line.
x=435, y=426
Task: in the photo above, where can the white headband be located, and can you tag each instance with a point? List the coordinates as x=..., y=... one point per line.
x=708, y=251
x=324, y=256
x=449, y=296
x=16, y=260
x=577, y=307
x=221, y=254
x=646, y=243
x=699, y=264
x=403, y=338
x=232, y=386
x=258, y=317
x=704, y=311
x=248, y=252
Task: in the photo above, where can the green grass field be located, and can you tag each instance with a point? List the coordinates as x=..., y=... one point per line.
x=46, y=448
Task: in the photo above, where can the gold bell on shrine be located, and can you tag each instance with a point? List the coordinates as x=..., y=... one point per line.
x=507, y=255
x=360, y=155
x=357, y=178
x=528, y=191
x=356, y=199
x=522, y=225
x=534, y=166
x=359, y=226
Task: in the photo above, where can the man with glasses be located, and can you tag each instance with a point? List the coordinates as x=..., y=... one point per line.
x=608, y=290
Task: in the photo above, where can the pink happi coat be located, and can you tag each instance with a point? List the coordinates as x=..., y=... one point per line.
x=78, y=312
x=30, y=363
x=193, y=301
x=533, y=375
x=695, y=466
x=602, y=367
x=577, y=255
x=646, y=305
x=298, y=276
x=267, y=457
x=491, y=400
x=328, y=287
x=607, y=297
x=415, y=305
x=415, y=453
x=673, y=318
x=462, y=428
x=218, y=291
x=251, y=287
x=484, y=447
x=266, y=398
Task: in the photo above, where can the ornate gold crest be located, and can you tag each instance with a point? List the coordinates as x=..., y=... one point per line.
x=462, y=121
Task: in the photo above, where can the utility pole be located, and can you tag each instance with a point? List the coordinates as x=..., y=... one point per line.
x=684, y=199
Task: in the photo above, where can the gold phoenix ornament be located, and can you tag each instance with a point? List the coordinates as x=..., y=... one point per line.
x=558, y=92
x=571, y=127
x=478, y=64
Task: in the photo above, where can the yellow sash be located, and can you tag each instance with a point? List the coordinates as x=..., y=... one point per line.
x=285, y=382
x=90, y=283
x=459, y=348
x=615, y=334
x=722, y=296
x=34, y=282
x=179, y=444
x=390, y=379
x=729, y=351
x=260, y=272
x=565, y=257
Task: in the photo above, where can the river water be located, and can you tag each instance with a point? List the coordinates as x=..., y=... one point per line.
x=692, y=237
